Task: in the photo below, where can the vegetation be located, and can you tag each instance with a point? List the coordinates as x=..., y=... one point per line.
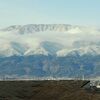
x=45, y=90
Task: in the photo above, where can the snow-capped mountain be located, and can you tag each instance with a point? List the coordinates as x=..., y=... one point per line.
x=49, y=39
x=49, y=50
x=33, y=28
x=88, y=50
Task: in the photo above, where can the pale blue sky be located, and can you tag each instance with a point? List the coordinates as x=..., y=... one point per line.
x=79, y=12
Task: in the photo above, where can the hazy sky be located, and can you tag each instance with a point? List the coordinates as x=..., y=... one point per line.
x=79, y=12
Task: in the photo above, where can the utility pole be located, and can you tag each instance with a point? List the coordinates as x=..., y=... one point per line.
x=82, y=72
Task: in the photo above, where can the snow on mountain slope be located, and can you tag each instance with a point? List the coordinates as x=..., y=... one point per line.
x=47, y=39
x=37, y=51
x=51, y=47
x=33, y=28
x=88, y=50
x=7, y=50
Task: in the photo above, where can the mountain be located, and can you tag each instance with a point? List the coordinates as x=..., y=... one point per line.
x=88, y=50
x=48, y=39
x=33, y=28
x=38, y=66
x=44, y=50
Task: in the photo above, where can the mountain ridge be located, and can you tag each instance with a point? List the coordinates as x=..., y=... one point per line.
x=47, y=39
x=32, y=28
x=49, y=51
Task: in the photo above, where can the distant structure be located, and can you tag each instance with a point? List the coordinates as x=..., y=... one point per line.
x=92, y=85
x=82, y=77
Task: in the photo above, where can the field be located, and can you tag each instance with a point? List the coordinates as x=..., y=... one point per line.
x=45, y=90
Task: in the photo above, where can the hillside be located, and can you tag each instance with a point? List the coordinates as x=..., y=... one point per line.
x=45, y=90
x=49, y=50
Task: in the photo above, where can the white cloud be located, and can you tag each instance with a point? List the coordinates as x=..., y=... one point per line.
x=31, y=42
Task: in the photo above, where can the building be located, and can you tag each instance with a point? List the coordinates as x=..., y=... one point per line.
x=91, y=85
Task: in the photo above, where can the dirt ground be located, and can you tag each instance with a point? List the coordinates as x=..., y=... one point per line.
x=45, y=90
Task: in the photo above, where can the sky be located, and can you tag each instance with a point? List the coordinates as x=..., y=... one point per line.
x=75, y=12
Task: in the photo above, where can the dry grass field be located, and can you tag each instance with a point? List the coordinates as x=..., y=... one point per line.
x=45, y=90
